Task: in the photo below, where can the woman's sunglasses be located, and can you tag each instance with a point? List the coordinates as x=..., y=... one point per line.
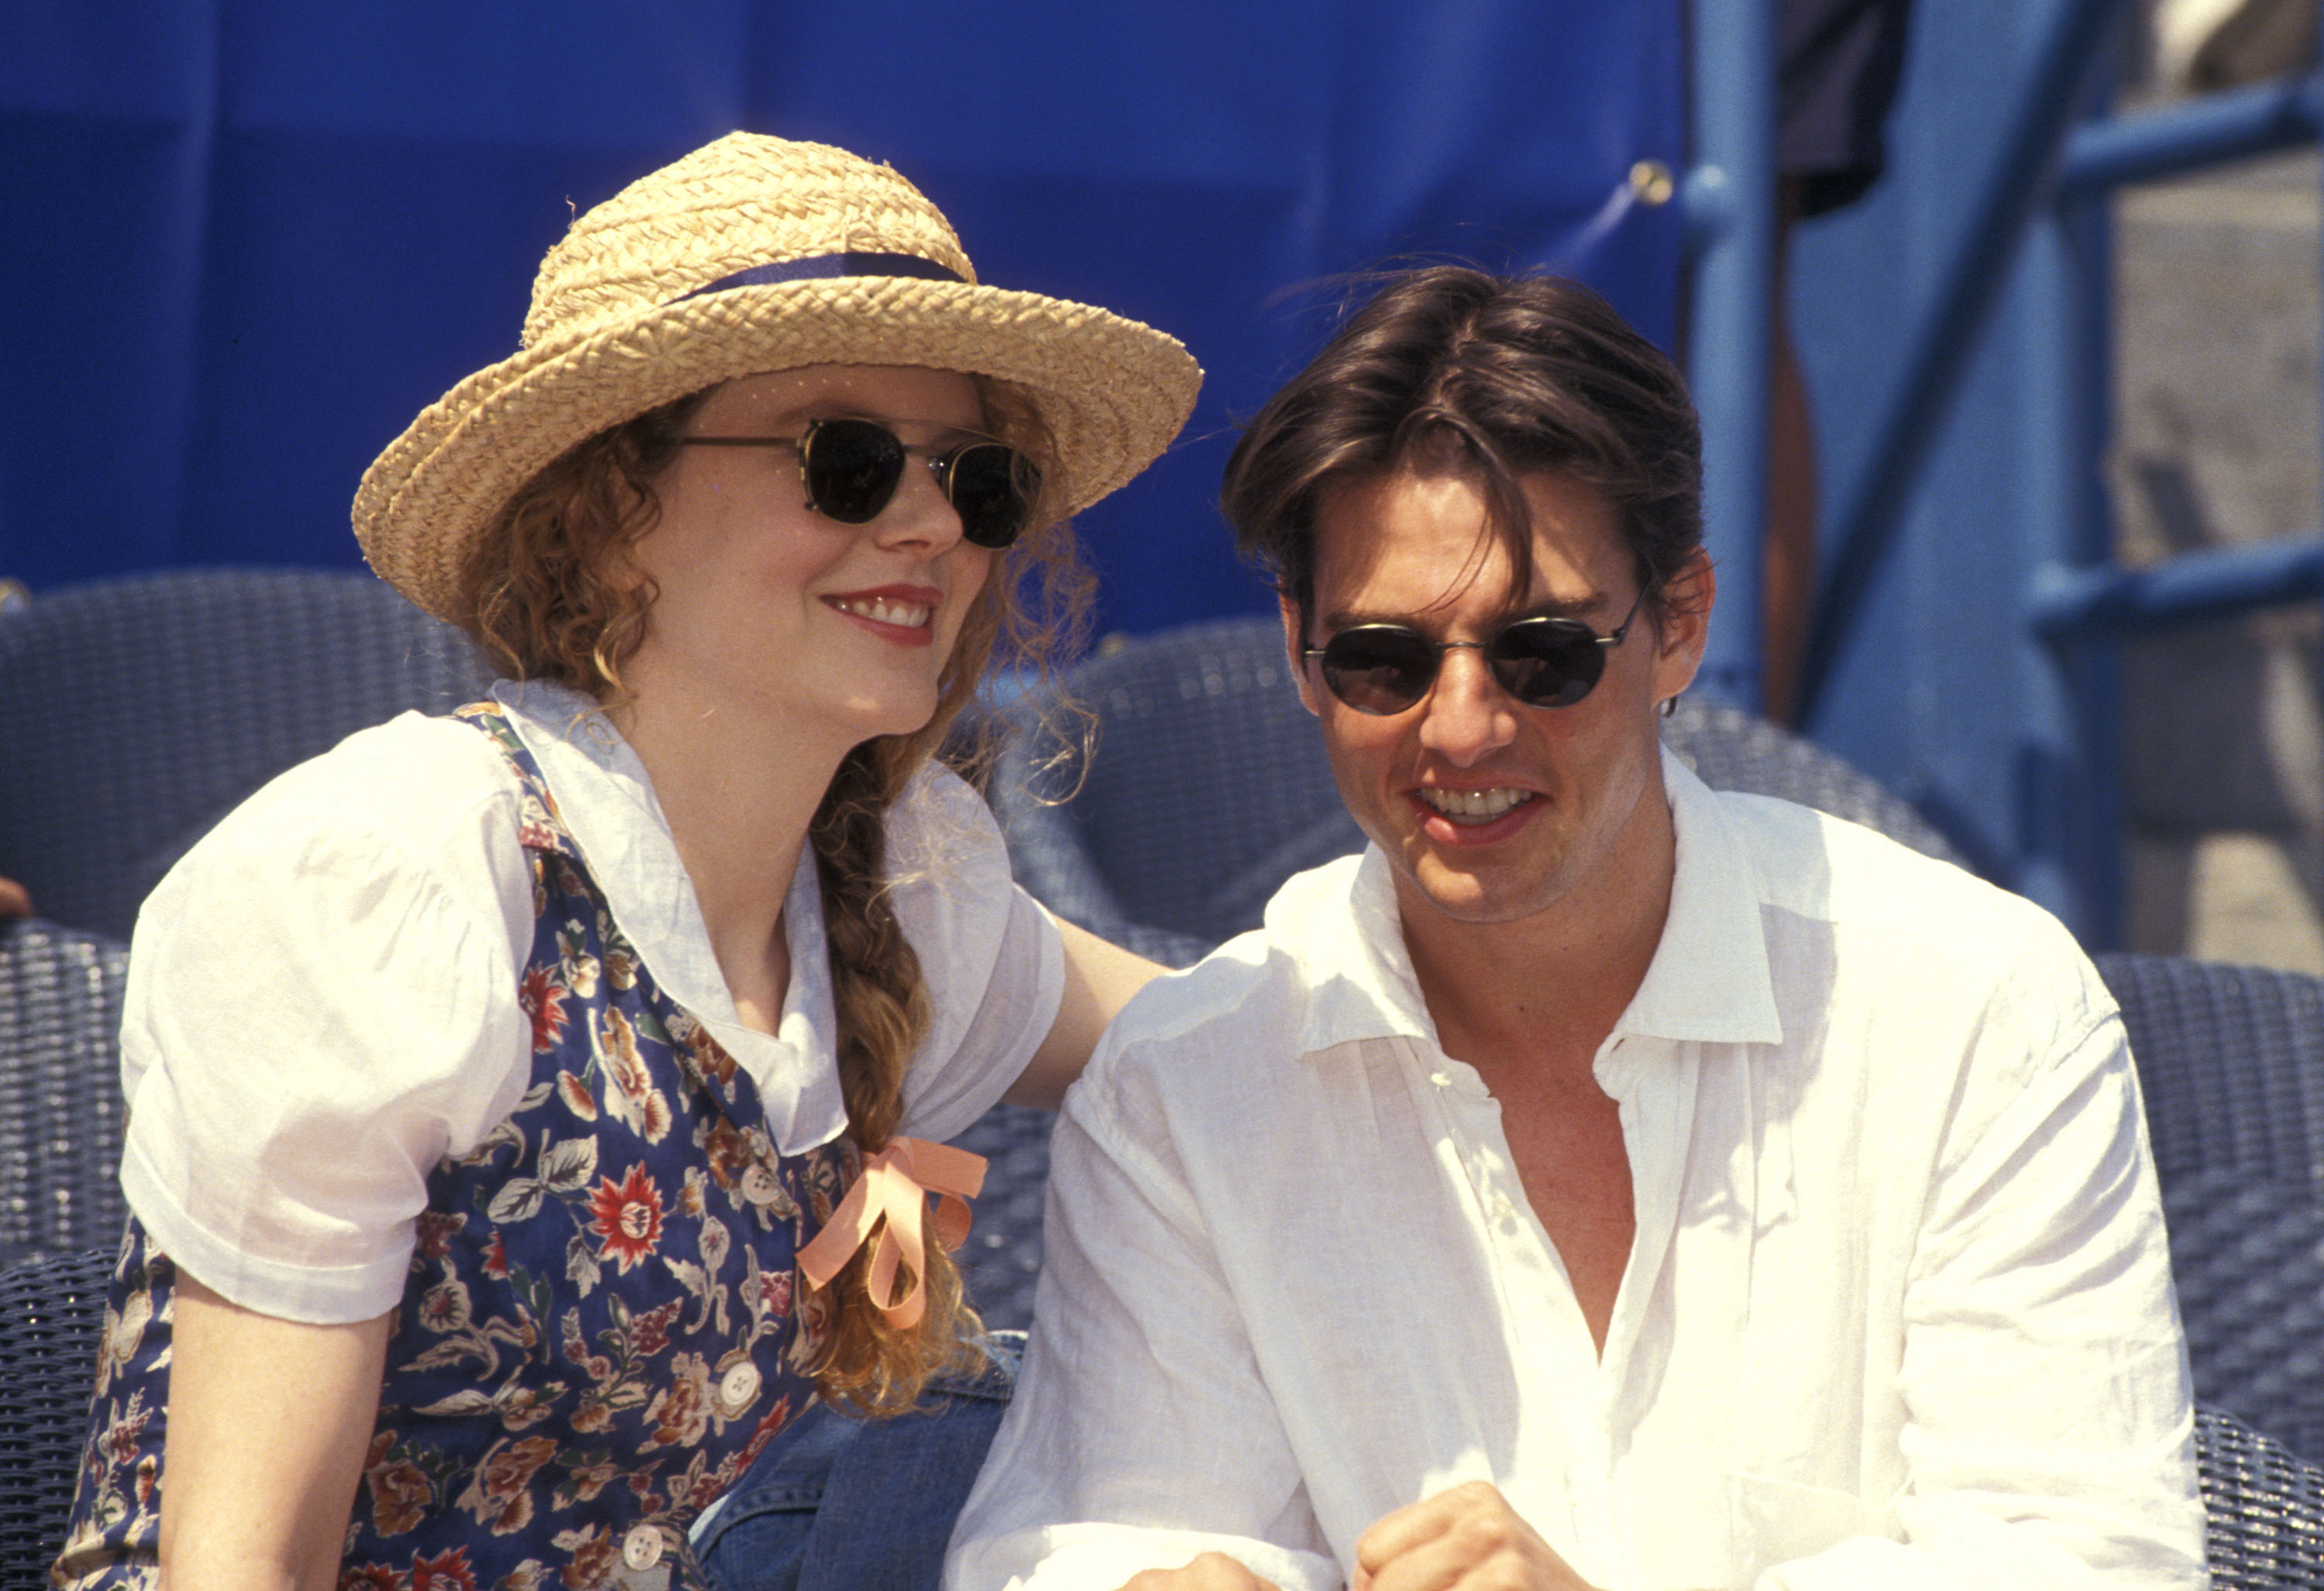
x=1543, y=662
x=852, y=468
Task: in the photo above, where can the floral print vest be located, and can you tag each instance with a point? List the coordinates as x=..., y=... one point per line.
x=601, y=1327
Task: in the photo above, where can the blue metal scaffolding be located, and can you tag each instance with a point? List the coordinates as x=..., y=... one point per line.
x=1965, y=646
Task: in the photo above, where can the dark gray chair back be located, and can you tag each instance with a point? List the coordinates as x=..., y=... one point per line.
x=1206, y=788
x=135, y=713
x=60, y=1114
x=2263, y=1508
x=2231, y=1063
x=1731, y=749
x=51, y=1315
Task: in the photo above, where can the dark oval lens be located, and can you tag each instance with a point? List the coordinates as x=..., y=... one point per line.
x=852, y=468
x=1379, y=671
x=991, y=488
x=1547, y=662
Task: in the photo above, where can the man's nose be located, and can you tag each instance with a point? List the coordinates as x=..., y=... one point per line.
x=1468, y=716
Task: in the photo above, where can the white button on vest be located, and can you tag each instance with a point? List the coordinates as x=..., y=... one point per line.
x=641, y=1548
x=739, y=1386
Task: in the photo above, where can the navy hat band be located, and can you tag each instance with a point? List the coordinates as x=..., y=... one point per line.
x=817, y=266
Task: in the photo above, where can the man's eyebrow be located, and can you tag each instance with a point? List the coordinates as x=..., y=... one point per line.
x=1564, y=607
x=1341, y=619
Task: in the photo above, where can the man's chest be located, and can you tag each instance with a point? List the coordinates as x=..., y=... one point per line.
x=1575, y=1168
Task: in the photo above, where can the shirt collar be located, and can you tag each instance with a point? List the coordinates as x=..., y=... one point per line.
x=1709, y=981
x=1340, y=926
x=607, y=803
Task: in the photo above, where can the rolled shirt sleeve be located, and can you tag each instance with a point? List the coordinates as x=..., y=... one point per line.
x=322, y=1002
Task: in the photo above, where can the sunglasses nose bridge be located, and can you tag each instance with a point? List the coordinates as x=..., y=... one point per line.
x=1463, y=666
x=919, y=508
x=1466, y=713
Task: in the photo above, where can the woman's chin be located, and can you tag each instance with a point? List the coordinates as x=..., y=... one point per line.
x=905, y=713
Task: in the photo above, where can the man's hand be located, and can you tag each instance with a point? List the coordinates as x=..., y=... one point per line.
x=1468, y=1537
x=1212, y=1571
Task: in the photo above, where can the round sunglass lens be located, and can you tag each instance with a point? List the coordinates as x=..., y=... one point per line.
x=852, y=468
x=1379, y=671
x=1547, y=662
x=992, y=489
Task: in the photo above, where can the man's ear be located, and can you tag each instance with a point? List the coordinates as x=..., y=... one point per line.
x=1295, y=644
x=1684, y=624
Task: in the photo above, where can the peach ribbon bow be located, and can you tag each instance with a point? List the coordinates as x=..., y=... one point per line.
x=895, y=1183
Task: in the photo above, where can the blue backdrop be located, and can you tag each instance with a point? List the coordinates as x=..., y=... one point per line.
x=247, y=240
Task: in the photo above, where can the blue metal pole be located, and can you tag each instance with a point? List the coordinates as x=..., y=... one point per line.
x=1730, y=200
x=2087, y=841
x=2206, y=132
x=2109, y=604
x=1868, y=523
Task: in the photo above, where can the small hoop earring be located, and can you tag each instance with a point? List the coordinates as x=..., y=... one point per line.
x=1669, y=705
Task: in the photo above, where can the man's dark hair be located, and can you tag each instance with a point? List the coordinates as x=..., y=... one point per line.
x=1452, y=368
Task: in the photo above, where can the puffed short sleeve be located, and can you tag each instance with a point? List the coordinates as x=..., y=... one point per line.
x=321, y=1004
x=991, y=957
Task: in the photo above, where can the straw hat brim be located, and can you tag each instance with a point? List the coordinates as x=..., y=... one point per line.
x=1112, y=392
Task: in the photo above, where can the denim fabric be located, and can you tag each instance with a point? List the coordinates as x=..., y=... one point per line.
x=842, y=1505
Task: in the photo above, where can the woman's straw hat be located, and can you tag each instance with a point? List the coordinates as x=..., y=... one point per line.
x=756, y=253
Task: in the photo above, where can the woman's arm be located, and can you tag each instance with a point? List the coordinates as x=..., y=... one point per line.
x=269, y=1423
x=1100, y=978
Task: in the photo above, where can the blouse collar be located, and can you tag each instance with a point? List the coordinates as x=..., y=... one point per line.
x=607, y=804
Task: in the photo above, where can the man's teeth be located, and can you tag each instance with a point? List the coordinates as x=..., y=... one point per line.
x=879, y=610
x=1474, y=806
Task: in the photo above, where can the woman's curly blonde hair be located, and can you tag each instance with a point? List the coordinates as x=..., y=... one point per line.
x=549, y=592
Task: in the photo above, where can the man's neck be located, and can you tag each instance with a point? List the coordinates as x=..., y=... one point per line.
x=1541, y=993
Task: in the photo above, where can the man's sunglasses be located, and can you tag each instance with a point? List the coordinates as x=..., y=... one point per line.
x=852, y=468
x=1543, y=662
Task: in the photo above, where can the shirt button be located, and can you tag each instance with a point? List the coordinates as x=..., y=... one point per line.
x=641, y=1548
x=1442, y=1079
x=739, y=1386
x=1502, y=1209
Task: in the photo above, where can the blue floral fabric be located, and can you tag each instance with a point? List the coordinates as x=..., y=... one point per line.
x=601, y=1328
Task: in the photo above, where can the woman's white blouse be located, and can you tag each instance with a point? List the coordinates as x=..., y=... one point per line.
x=322, y=999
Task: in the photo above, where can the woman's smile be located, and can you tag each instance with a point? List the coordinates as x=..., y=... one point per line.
x=897, y=613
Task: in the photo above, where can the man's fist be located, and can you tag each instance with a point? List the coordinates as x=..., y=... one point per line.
x=1468, y=1537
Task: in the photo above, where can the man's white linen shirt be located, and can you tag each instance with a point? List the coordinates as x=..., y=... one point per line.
x=323, y=996
x=1898, y=1311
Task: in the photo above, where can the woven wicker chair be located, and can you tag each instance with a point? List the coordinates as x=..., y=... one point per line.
x=60, y=1116
x=2231, y=1062
x=52, y=1312
x=135, y=713
x=2263, y=1508
x=1207, y=788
